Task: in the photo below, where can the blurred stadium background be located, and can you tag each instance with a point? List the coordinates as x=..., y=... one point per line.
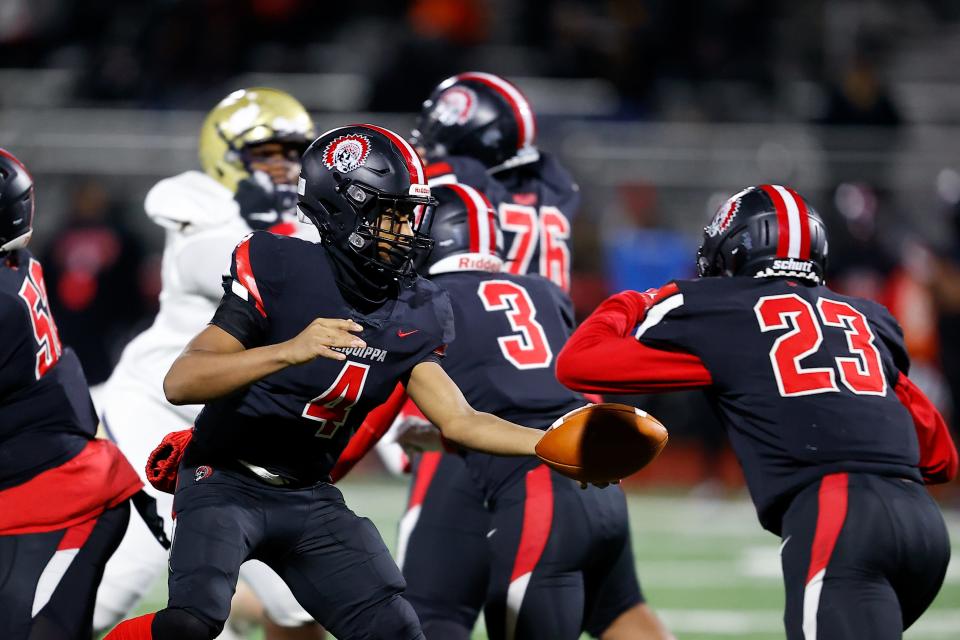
x=659, y=107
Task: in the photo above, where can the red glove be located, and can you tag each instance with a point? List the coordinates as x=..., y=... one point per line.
x=164, y=461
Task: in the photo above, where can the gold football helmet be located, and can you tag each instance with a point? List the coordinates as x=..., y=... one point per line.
x=248, y=117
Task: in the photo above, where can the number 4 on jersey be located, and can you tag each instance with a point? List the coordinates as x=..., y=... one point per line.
x=332, y=407
x=861, y=374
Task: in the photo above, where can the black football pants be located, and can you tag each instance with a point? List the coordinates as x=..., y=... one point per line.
x=335, y=562
x=863, y=557
x=48, y=581
x=546, y=558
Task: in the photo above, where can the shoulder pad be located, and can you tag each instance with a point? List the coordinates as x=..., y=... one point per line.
x=190, y=199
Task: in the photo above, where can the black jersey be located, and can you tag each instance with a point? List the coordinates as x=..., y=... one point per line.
x=803, y=379
x=46, y=415
x=536, y=204
x=509, y=329
x=296, y=422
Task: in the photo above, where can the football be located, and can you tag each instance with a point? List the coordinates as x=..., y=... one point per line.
x=602, y=442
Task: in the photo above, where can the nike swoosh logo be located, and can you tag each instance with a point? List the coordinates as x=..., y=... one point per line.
x=403, y=334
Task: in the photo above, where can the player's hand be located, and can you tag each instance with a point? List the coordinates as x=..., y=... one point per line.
x=317, y=339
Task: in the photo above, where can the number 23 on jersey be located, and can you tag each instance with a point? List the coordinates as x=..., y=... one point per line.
x=861, y=372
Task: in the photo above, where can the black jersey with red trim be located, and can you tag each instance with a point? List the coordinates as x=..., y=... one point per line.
x=296, y=422
x=803, y=379
x=509, y=330
x=536, y=204
x=46, y=415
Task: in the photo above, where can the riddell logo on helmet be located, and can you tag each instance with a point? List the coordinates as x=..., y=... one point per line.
x=792, y=265
x=456, y=105
x=346, y=153
x=480, y=264
x=421, y=190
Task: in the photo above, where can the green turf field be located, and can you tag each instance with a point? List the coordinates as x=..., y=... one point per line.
x=705, y=565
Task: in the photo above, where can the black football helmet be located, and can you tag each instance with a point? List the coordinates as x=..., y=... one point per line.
x=16, y=203
x=478, y=115
x=466, y=233
x=764, y=231
x=361, y=185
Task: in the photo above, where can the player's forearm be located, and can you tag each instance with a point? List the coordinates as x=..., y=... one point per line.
x=199, y=376
x=487, y=433
x=602, y=356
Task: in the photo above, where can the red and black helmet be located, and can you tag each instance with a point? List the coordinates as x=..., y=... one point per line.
x=765, y=231
x=479, y=115
x=351, y=179
x=16, y=203
x=466, y=233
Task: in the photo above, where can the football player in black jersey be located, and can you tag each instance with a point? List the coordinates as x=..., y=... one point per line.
x=533, y=553
x=478, y=129
x=834, y=439
x=559, y=558
x=63, y=493
x=307, y=340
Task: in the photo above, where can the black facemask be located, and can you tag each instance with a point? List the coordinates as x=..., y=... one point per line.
x=360, y=285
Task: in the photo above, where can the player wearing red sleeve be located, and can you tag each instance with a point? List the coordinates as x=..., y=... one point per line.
x=834, y=440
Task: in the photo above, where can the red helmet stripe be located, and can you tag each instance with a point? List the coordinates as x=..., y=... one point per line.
x=804, y=224
x=491, y=219
x=783, y=223
x=478, y=231
x=6, y=154
x=412, y=159
x=526, y=124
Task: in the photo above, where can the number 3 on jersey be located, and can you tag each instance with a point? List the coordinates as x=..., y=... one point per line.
x=33, y=291
x=530, y=349
x=861, y=374
x=547, y=228
x=332, y=407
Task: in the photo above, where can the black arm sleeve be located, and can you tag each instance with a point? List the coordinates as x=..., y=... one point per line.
x=240, y=319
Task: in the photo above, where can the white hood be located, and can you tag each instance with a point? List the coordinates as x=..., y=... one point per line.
x=190, y=199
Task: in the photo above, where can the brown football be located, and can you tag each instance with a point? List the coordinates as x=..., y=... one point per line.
x=602, y=442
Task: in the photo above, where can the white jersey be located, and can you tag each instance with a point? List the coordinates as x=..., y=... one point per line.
x=203, y=226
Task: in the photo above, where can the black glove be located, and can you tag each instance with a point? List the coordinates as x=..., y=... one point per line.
x=263, y=203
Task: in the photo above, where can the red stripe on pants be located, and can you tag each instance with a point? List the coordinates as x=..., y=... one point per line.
x=831, y=513
x=537, y=521
x=428, y=467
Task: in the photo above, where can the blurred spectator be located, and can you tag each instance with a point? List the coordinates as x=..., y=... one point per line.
x=93, y=269
x=860, y=98
x=639, y=252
